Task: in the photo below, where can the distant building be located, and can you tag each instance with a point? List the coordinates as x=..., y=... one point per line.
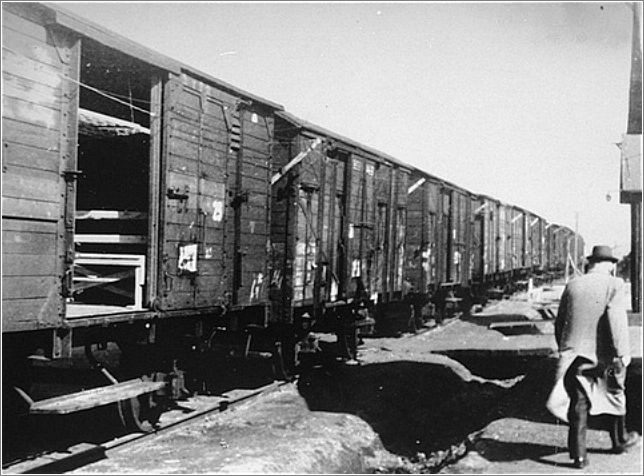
x=631, y=160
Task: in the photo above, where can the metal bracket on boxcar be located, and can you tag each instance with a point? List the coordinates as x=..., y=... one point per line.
x=68, y=283
x=71, y=175
x=239, y=198
x=309, y=187
x=241, y=103
x=331, y=148
x=288, y=190
x=168, y=282
x=364, y=224
x=174, y=194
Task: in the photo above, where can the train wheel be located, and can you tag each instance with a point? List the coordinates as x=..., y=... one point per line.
x=280, y=371
x=136, y=416
x=412, y=321
x=130, y=412
x=297, y=357
x=142, y=413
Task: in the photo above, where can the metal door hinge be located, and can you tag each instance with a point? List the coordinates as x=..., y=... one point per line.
x=72, y=175
x=239, y=198
x=173, y=193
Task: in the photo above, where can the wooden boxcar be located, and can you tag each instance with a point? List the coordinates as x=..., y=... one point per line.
x=537, y=245
x=487, y=222
x=443, y=249
x=516, y=249
x=457, y=203
x=135, y=189
x=338, y=224
x=427, y=224
x=148, y=203
x=556, y=248
x=505, y=239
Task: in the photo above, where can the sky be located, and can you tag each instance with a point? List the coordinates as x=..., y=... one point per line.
x=524, y=102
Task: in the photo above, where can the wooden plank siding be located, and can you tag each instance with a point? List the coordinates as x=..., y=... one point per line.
x=34, y=138
x=338, y=222
x=423, y=250
x=416, y=242
x=200, y=162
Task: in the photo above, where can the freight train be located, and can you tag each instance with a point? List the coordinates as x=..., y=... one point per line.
x=149, y=204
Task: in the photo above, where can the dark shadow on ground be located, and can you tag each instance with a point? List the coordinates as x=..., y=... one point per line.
x=495, y=450
x=224, y=375
x=528, y=398
x=29, y=434
x=414, y=407
x=503, y=451
x=421, y=407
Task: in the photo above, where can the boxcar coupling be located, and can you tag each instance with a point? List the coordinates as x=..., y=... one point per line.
x=152, y=205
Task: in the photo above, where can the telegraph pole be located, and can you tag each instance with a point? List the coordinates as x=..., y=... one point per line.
x=631, y=157
x=576, y=250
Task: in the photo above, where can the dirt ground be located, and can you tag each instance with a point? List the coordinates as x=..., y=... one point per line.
x=524, y=438
x=453, y=398
x=401, y=405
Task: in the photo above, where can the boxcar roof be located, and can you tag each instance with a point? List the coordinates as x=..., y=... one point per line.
x=106, y=37
x=301, y=123
x=444, y=182
x=322, y=131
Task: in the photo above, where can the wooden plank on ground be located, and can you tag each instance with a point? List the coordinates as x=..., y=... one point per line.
x=94, y=397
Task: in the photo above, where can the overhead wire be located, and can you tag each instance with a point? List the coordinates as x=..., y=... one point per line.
x=98, y=91
x=110, y=96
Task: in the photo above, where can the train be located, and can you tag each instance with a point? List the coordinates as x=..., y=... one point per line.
x=149, y=204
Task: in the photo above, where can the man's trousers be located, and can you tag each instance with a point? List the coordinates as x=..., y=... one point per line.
x=578, y=413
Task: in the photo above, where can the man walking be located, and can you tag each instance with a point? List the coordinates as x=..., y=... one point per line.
x=592, y=334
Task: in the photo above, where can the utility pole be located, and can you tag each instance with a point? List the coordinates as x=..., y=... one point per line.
x=576, y=250
x=631, y=158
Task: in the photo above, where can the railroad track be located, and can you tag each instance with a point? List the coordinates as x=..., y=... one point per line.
x=81, y=454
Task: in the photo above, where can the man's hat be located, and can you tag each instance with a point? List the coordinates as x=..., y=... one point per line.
x=602, y=253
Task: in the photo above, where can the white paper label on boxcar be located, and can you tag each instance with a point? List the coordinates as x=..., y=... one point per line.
x=355, y=268
x=188, y=258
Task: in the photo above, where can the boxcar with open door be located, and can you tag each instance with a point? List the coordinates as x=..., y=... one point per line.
x=136, y=195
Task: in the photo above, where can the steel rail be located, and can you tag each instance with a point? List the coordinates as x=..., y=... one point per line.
x=85, y=453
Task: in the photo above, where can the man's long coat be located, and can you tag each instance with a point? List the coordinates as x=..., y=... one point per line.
x=592, y=323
